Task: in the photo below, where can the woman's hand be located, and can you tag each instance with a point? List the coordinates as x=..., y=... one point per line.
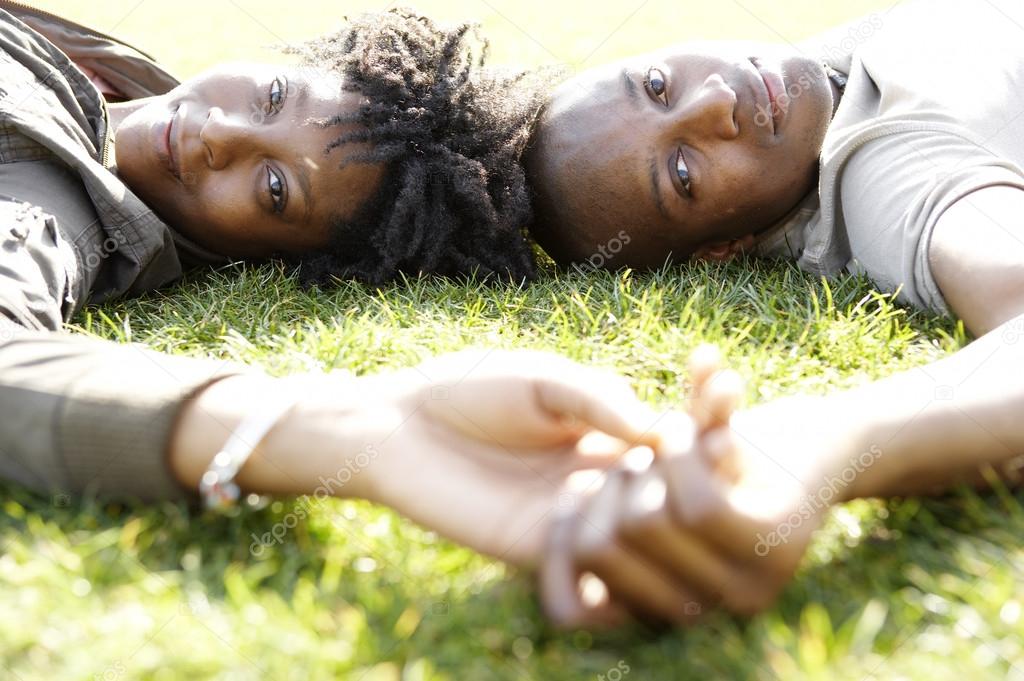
x=476, y=445
x=484, y=441
x=722, y=516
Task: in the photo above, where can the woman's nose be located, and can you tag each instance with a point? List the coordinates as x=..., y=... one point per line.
x=226, y=136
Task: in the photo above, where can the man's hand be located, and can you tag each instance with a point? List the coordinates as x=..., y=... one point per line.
x=722, y=516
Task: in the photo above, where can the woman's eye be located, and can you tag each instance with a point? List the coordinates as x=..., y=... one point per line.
x=276, y=187
x=277, y=89
x=682, y=171
x=655, y=81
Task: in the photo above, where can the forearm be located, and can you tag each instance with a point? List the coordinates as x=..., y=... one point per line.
x=942, y=424
x=81, y=414
x=327, y=442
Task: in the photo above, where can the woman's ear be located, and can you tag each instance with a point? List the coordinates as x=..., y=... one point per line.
x=725, y=250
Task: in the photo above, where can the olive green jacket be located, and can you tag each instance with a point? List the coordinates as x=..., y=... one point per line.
x=78, y=414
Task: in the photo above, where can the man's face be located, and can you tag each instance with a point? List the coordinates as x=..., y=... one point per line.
x=234, y=160
x=676, y=151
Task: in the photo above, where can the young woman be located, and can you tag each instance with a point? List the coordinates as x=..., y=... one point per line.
x=377, y=155
x=892, y=146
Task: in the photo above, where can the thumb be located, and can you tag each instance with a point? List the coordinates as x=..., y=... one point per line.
x=590, y=399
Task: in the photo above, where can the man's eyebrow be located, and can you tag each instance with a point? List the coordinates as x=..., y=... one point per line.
x=631, y=90
x=656, y=189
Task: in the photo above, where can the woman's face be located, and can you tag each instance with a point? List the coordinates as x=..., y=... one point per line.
x=232, y=159
x=677, y=151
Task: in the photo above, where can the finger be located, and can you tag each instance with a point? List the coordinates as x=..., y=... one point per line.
x=567, y=597
x=721, y=396
x=722, y=452
x=649, y=527
x=588, y=398
x=638, y=584
x=700, y=501
x=701, y=365
x=558, y=577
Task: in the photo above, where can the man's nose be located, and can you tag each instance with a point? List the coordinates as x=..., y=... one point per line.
x=710, y=111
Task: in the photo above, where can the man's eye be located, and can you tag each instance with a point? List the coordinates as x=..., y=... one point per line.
x=682, y=171
x=276, y=187
x=657, y=84
x=277, y=89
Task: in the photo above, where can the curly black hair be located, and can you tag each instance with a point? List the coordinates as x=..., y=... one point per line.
x=454, y=198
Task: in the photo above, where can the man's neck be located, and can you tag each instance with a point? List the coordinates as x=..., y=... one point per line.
x=836, y=95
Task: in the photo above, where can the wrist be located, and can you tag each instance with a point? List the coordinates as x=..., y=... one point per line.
x=823, y=444
x=343, y=430
x=325, y=445
x=859, y=456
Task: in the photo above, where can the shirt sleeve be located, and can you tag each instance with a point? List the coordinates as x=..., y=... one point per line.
x=895, y=188
x=78, y=414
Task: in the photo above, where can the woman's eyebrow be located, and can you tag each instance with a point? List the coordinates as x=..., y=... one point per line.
x=656, y=189
x=299, y=104
x=302, y=175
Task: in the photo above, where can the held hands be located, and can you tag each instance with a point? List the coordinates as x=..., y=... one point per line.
x=481, y=443
x=537, y=460
x=720, y=517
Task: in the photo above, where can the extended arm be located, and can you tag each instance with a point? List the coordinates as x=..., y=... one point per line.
x=78, y=413
x=725, y=515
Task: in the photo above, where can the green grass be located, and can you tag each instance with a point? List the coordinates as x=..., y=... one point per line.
x=922, y=589
x=89, y=589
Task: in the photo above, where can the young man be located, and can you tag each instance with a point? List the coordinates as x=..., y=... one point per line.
x=891, y=146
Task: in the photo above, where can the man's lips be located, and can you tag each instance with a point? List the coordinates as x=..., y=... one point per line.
x=775, y=87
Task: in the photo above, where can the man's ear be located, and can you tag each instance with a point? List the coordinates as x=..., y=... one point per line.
x=725, y=250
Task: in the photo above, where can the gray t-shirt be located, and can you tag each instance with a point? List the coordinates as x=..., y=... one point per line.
x=932, y=112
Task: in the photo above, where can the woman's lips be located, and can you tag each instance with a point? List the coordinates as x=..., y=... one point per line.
x=777, y=95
